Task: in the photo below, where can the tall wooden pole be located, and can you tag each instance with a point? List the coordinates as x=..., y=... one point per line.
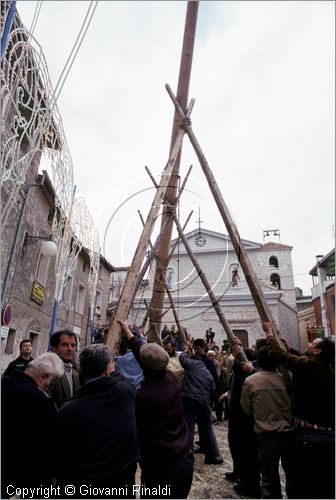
x=157, y=301
x=250, y=276
x=125, y=300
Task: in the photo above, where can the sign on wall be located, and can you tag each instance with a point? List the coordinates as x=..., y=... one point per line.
x=4, y=332
x=37, y=293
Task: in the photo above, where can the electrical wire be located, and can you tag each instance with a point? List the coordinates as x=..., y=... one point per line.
x=74, y=52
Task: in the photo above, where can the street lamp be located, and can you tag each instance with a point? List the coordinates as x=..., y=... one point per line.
x=48, y=248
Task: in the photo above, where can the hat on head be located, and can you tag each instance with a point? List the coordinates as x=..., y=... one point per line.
x=154, y=357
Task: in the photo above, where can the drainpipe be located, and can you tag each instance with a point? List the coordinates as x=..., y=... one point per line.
x=7, y=28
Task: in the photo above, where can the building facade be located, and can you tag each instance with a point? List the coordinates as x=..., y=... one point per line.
x=29, y=280
x=34, y=208
x=217, y=258
x=323, y=292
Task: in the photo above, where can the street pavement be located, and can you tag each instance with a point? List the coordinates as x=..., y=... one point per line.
x=209, y=480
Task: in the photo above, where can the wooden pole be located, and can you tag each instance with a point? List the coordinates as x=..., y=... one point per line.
x=157, y=301
x=251, y=278
x=207, y=286
x=171, y=300
x=127, y=292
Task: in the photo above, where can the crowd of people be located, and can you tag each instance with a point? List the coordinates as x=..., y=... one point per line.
x=92, y=418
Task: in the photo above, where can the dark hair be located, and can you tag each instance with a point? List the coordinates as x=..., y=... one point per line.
x=24, y=341
x=94, y=359
x=265, y=361
x=327, y=353
x=249, y=353
x=199, y=343
x=169, y=342
x=55, y=339
x=260, y=343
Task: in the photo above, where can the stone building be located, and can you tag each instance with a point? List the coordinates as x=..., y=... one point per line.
x=214, y=251
x=29, y=279
x=306, y=317
x=323, y=292
x=33, y=209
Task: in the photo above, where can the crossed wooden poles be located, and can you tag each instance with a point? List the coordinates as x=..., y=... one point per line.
x=136, y=272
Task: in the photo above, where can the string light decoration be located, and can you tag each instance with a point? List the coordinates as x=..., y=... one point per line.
x=31, y=126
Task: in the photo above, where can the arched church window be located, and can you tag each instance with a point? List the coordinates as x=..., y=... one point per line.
x=275, y=281
x=273, y=262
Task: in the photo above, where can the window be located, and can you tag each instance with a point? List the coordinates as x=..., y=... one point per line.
x=80, y=299
x=98, y=298
x=242, y=335
x=100, y=271
x=275, y=281
x=10, y=342
x=42, y=269
x=34, y=338
x=273, y=262
x=67, y=289
x=98, y=304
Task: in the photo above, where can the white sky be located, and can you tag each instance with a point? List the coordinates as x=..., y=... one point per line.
x=263, y=80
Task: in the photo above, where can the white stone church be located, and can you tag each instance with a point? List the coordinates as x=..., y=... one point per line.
x=271, y=262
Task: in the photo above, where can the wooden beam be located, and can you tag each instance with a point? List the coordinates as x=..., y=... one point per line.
x=251, y=277
x=208, y=287
x=152, y=335
x=127, y=292
x=182, y=96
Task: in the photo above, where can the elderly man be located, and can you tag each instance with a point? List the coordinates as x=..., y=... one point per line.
x=98, y=426
x=27, y=410
x=166, y=461
x=174, y=363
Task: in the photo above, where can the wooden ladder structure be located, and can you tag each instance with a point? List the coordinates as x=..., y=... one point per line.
x=166, y=194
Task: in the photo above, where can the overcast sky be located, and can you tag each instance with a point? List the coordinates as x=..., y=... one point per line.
x=263, y=80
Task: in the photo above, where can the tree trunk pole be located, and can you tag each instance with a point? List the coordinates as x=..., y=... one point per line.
x=125, y=300
x=157, y=301
x=251, y=277
x=207, y=286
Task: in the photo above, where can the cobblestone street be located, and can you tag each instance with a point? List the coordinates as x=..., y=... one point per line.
x=209, y=480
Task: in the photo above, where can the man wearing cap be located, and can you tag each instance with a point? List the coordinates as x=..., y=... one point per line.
x=165, y=456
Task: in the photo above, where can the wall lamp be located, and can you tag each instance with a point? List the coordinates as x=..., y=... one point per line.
x=48, y=248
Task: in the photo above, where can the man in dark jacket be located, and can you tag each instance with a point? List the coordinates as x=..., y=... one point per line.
x=99, y=424
x=196, y=390
x=64, y=344
x=314, y=411
x=21, y=362
x=165, y=457
x=26, y=409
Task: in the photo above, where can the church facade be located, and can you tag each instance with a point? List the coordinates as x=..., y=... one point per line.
x=214, y=251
